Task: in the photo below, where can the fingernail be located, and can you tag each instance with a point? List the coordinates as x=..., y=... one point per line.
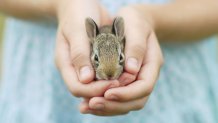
x=98, y=106
x=132, y=62
x=112, y=97
x=84, y=72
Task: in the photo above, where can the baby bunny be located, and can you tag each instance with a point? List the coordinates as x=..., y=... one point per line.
x=107, y=48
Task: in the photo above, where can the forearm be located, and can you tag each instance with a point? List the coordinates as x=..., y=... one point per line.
x=38, y=9
x=28, y=8
x=183, y=20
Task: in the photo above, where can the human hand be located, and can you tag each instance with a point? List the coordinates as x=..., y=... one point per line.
x=73, y=47
x=143, y=62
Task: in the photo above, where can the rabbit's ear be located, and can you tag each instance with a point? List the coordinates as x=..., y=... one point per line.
x=91, y=28
x=118, y=27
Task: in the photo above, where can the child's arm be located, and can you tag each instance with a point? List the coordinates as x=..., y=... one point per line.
x=183, y=20
x=29, y=9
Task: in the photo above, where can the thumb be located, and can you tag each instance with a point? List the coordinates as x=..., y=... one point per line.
x=135, y=48
x=80, y=55
x=135, y=51
x=136, y=34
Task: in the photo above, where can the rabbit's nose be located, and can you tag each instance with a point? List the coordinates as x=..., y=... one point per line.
x=110, y=76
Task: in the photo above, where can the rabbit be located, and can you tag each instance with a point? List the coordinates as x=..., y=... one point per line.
x=107, y=48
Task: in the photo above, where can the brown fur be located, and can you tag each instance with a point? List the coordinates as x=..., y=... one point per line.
x=108, y=48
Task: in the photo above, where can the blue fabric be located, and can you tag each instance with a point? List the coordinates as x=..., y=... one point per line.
x=33, y=91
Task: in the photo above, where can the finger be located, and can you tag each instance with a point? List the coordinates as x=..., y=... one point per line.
x=103, y=113
x=78, y=89
x=84, y=107
x=79, y=49
x=135, y=90
x=111, y=108
x=126, y=78
x=146, y=79
x=70, y=77
x=136, y=39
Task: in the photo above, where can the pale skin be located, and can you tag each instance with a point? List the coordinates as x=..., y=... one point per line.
x=182, y=20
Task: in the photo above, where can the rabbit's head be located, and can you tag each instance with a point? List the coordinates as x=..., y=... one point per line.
x=107, y=48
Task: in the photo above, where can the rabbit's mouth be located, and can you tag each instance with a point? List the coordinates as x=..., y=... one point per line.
x=100, y=75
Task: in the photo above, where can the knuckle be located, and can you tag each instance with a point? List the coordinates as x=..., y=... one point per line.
x=139, y=106
x=76, y=94
x=82, y=111
x=149, y=90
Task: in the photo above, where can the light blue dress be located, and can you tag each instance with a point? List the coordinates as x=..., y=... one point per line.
x=32, y=90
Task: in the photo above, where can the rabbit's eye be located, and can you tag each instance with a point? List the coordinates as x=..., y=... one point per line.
x=96, y=58
x=121, y=58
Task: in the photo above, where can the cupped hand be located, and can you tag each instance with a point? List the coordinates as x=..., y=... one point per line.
x=73, y=47
x=143, y=62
